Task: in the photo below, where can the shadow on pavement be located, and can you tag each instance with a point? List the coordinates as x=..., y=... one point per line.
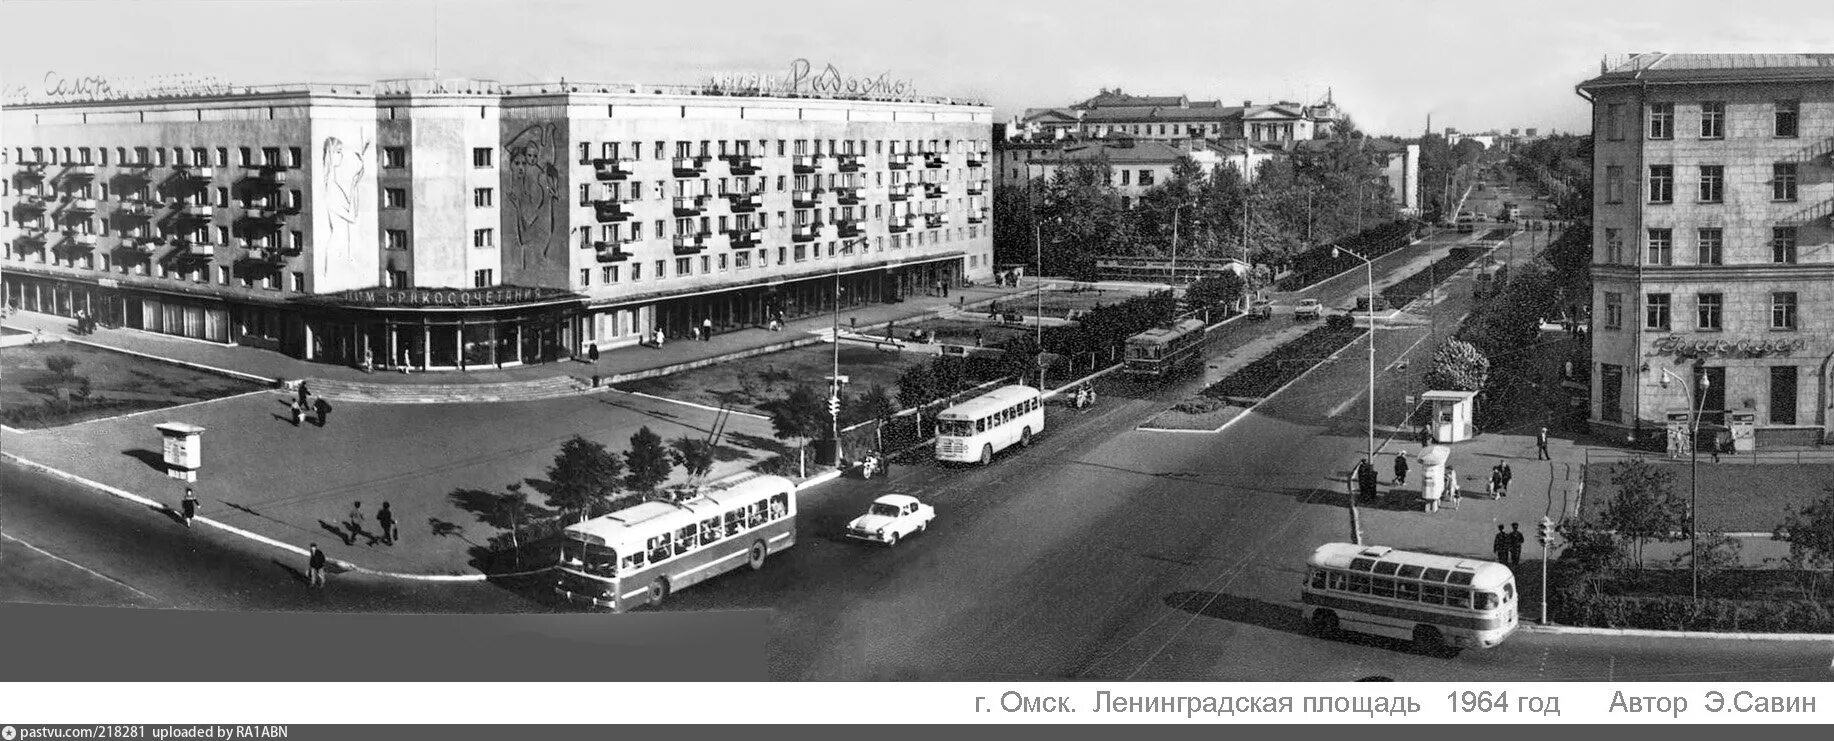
x=152, y=458
x=1284, y=618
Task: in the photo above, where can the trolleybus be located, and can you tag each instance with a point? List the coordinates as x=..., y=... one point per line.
x=1434, y=600
x=1164, y=351
x=641, y=554
x=974, y=430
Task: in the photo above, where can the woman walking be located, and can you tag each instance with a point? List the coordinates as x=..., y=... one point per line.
x=189, y=505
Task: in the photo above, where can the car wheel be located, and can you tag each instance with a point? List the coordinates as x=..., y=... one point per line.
x=1025, y=438
x=986, y=454
x=659, y=591
x=758, y=551
x=891, y=539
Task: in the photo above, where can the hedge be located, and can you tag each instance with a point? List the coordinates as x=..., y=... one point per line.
x=1318, y=263
x=1275, y=369
x=1684, y=613
x=1418, y=284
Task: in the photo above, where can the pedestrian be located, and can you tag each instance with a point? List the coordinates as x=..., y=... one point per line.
x=1541, y=445
x=386, y=520
x=315, y=568
x=355, y=521
x=659, y=338
x=1507, y=475
x=853, y=324
x=302, y=393
x=297, y=410
x=189, y=505
x=977, y=338
x=945, y=289
x=706, y=329
x=1722, y=443
x=1452, y=493
x=1401, y=468
x=1496, y=480
x=1366, y=479
x=369, y=360
x=323, y=408
x=1516, y=538
x=1500, y=545
x=888, y=329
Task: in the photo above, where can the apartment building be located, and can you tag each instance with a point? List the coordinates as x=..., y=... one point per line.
x=458, y=224
x=1713, y=273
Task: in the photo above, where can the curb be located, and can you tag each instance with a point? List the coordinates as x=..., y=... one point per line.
x=691, y=404
x=1645, y=633
x=185, y=363
x=296, y=550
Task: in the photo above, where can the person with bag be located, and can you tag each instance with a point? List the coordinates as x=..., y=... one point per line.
x=315, y=568
x=1401, y=468
x=189, y=505
x=386, y=519
x=323, y=408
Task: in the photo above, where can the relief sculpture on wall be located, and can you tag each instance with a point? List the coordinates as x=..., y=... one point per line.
x=534, y=184
x=343, y=170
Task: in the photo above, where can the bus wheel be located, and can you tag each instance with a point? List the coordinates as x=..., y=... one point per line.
x=1325, y=622
x=1025, y=438
x=659, y=591
x=986, y=454
x=757, y=555
x=1428, y=639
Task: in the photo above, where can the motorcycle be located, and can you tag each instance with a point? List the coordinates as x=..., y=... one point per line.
x=1083, y=398
x=870, y=467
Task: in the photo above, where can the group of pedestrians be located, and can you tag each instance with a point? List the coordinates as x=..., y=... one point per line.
x=1507, y=545
x=306, y=404
x=357, y=524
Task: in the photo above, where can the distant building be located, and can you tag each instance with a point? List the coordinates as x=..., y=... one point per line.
x=1400, y=165
x=1164, y=269
x=1113, y=113
x=1137, y=165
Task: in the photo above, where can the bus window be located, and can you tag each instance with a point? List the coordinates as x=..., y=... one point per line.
x=1361, y=564
x=686, y=538
x=1461, y=578
x=980, y=425
x=634, y=561
x=660, y=548
x=1509, y=593
x=1486, y=600
x=710, y=530
x=1458, y=598
x=1409, y=572
x=1359, y=583
x=735, y=522
x=1435, y=575
x=1407, y=590
x=1387, y=568
x=1433, y=594
x=780, y=506
x=1338, y=581
x=756, y=512
x=1318, y=580
x=1382, y=587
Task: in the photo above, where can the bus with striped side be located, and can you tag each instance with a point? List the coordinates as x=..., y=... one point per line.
x=1164, y=351
x=641, y=554
x=1433, y=600
x=974, y=430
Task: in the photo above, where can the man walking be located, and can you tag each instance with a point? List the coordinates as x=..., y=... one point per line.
x=1516, y=538
x=355, y=521
x=323, y=409
x=386, y=519
x=302, y=393
x=706, y=329
x=1507, y=475
x=1500, y=546
x=189, y=505
x=1541, y=445
x=315, y=568
x=1401, y=468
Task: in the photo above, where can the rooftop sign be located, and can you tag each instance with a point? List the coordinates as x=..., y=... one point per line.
x=804, y=79
x=59, y=88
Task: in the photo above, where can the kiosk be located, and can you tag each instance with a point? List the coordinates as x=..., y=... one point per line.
x=1452, y=414
x=183, y=449
x=1744, y=426
x=1679, y=421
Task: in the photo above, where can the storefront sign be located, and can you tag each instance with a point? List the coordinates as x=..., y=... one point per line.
x=444, y=297
x=1680, y=346
x=56, y=87
x=804, y=79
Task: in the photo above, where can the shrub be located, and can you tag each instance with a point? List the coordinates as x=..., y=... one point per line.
x=1201, y=405
x=1684, y=613
x=1339, y=321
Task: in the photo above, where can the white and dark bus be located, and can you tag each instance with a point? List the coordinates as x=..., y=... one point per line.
x=1434, y=600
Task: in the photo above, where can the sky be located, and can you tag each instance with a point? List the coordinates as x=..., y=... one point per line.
x=1472, y=66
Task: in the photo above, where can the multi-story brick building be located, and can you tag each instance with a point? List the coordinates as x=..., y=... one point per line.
x=1713, y=252
x=462, y=224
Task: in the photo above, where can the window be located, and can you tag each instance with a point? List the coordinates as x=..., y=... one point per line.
x=1783, y=395
x=636, y=271
x=1710, y=308
x=1614, y=121
x=585, y=277
x=1146, y=177
x=684, y=266
x=394, y=157
x=1662, y=120
x=295, y=157
x=1712, y=183
x=483, y=197
x=483, y=238
x=1786, y=118
x=223, y=274
x=1713, y=120
x=480, y=156
x=1614, y=246
x=1656, y=311
x=741, y=260
x=483, y=278
x=1661, y=247
x=397, y=278
x=270, y=156
x=1125, y=175
x=1783, y=181
x=1712, y=241
x=299, y=282
x=608, y=274
x=1661, y=183
x=1614, y=183
x=1783, y=245
x=222, y=156
x=394, y=198
x=1783, y=310
x=1614, y=310
x=245, y=156
x=397, y=239
x=1610, y=392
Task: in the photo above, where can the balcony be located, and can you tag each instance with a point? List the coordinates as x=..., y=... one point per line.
x=847, y=196
x=81, y=205
x=848, y=162
x=935, y=221
x=32, y=172
x=31, y=239
x=138, y=246
x=978, y=187
x=610, y=251
x=81, y=242
x=609, y=210
x=30, y=204
x=935, y=190
x=807, y=198
x=188, y=249
x=935, y=159
x=806, y=232
x=803, y=164
x=271, y=175
x=612, y=168
x=977, y=216
x=744, y=202
x=196, y=172
x=899, y=160
x=741, y=164
x=133, y=173
x=689, y=244
x=690, y=205
x=744, y=236
x=847, y=228
x=264, y=255
x=899, y=192
x=978, y=159
x=901, y=224
x=687, y=167
x=79, y=171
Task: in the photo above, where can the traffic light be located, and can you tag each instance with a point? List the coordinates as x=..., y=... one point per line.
x=1548, y=536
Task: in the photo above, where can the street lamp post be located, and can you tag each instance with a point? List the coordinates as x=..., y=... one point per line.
x=835, y=381
x=1696, y=399
x=1370, y=456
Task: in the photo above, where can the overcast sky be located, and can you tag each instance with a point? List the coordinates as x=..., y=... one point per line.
x=1472, y=65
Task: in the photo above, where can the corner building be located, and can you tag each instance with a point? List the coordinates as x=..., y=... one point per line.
x=463, y=224
x=1713, y=251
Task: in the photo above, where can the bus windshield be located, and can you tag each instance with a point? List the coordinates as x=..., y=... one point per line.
x=596, y=560
x=955, y=428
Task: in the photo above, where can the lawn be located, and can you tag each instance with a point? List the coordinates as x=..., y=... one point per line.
x=1287, y=362
x=1061, y=303
x=749, y=382
x=963, y=331
x=1734, y=497
x=118, y=384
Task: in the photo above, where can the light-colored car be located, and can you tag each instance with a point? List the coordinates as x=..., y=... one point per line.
x=891, y=518
x=1261, y=310
x=1308, y=309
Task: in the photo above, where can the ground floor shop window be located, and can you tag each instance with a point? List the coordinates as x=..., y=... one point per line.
x=1783, y=395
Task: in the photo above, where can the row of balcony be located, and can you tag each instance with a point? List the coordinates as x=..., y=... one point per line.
x=612, y=210
x=621, y=168
x=137, y=171
x=183, y=247
x=744, y=237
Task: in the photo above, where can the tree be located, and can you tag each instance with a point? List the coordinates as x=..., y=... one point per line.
x=648, y=462
x=63, y=366
x=1458, y=366
x=694, y=455
x=876, y=403
x=1645, y=507
x=582, y=479
x=1012, y=232
x=917, y=386
x=1809, y=530
x=1215, y=291
x=1020, y=360
x=799, y=415
x=950, y=371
